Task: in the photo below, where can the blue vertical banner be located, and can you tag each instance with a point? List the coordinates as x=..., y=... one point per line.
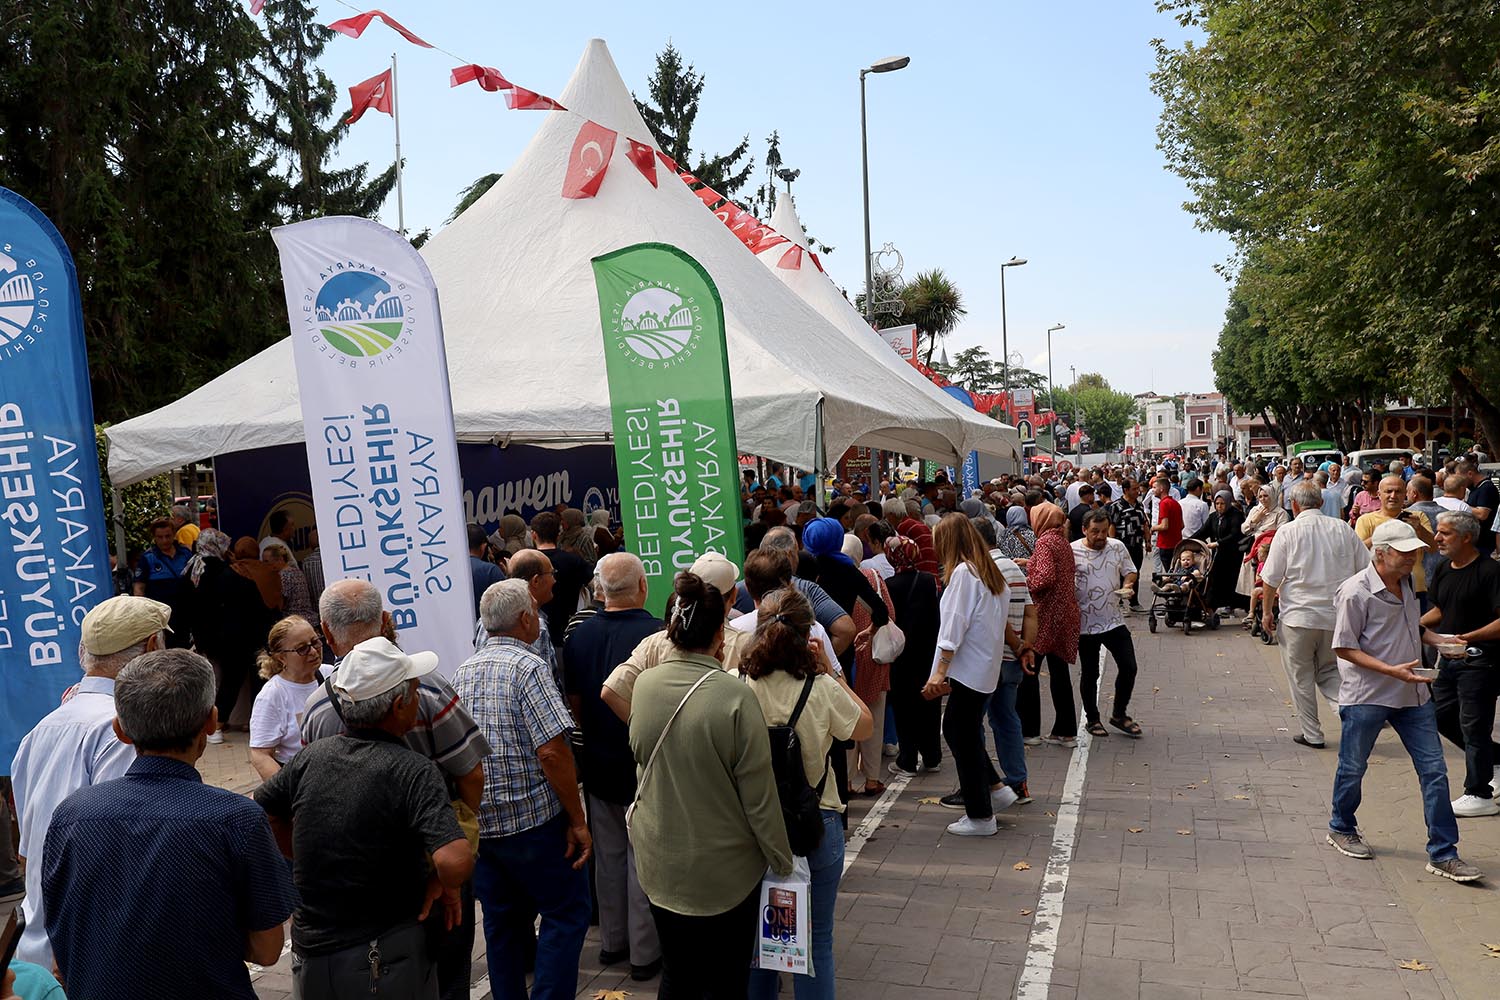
x=54, y=559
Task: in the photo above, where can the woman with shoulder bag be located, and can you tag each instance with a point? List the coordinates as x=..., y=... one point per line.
x=778, y=668
x=706, y=822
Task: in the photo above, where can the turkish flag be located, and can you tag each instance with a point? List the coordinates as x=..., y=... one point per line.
x=708, y=196
x=521, y=99
x=816, y=262
x=256, y=6
x=670, y=163
x=377, y=92
x=792, y=259
x=356, y=25
x=488, y=77
x=644, y=158
x=592, y=148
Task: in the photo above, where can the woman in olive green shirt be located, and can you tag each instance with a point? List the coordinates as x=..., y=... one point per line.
x=707, y=820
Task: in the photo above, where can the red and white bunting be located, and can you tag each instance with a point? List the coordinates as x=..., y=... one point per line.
x=488, y=77
x=708, y=196
x=644, y=158
x=356, y=25
x=669, y=163
x=792, y=259
x=521, y=99
x=378, y=92
x=256, y=6
x=589, y=160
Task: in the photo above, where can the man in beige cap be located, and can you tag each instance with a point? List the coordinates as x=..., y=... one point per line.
x=361, y=814
x=716, y=570
x=75, y=745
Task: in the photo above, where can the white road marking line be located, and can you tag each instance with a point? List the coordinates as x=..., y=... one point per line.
x=481, y=989
x=872, y=820
x=1041, y=947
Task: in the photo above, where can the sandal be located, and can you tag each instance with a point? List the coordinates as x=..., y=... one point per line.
x=873, y=789
x=1096, y=729
x=1127, y=725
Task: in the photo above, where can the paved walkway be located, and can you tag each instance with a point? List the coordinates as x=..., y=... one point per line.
x=1198, y=868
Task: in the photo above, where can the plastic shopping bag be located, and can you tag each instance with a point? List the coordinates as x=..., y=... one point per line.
x=784, y=930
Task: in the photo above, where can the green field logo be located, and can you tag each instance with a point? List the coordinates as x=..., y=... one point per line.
x=359, y=314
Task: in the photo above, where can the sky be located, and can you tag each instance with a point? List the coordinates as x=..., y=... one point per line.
x=1017, y=130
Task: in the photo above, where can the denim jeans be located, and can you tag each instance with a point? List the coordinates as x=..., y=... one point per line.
x=1417, y=728
x=1006, y=725
x=827, y=868
x=528, y=871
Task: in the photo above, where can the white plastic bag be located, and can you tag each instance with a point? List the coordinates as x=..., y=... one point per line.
x=887, y=643
x=784, y=930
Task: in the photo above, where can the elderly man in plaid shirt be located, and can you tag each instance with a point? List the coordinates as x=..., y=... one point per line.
x=533, y=837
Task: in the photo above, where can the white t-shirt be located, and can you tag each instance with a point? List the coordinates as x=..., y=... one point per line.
x=746, y=623
x=1453, y=503
x=1097, y=575
x=276, y=719
x=1194, y=514
x=880, y=564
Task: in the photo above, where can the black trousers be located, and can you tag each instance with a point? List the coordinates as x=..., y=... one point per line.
x=1029, y=698
x=918, y=723
x=707, y=958
x=1137, y=558
x=1122, y=649
x=963, y=728
x=455, y=953
x=1464, y=697
x=233, y=669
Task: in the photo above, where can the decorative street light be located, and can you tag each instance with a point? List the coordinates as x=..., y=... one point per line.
x=883, y=66
x=1052, y=393
x=1005, y=339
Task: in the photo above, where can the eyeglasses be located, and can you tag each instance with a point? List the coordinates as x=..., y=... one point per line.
x=305, y=648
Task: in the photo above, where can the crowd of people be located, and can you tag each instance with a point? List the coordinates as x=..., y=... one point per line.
x=593, y=760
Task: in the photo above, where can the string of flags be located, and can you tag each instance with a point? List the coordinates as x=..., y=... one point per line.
x=593, y=147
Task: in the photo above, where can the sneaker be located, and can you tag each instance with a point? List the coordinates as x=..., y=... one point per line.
x=1473, y=805
x=1067, y=742
x=1023, y=795
x=217, y=736
x=1457, y=869
x=969, y=827
x=931, y=768
x=897, y=771
x=889, y=750
x=1495, y=781
x=1032, y=741
x=1350, y=845
x=1304, y=741
x=954, y=801
x=1003, y=798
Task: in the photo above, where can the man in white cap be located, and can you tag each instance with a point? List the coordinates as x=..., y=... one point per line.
x=1378, y=638
x=75, y=745
x=360, y=815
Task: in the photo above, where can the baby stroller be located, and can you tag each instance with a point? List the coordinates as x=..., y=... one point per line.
x=1180, y=595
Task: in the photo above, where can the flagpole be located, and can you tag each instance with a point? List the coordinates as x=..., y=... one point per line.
x=396, y=114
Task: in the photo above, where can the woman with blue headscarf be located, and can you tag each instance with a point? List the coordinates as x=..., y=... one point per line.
x=837, y=574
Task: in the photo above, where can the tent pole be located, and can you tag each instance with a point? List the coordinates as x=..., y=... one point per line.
x=117, y=517
x=820, y=460
x=396, y=117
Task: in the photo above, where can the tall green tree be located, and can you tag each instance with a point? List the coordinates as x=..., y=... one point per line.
x=1352, y=152
x=302, y=101
x=134, y=126
x=670, y=108
x=934, y=303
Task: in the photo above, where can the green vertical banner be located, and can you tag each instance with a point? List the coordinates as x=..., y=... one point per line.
x=673, y=417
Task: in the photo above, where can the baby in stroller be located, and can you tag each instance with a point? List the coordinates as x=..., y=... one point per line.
x=1185, y=574
x=1180, y=593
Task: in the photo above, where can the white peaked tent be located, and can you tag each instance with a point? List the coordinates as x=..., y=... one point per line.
x=523, y=334
x=802, y=276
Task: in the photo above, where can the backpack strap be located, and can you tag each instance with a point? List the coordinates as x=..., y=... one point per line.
x=333, y=698
x=791, y=724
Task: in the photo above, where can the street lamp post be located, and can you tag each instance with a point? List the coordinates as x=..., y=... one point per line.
x=1005, y=340
x=883, y=66
x=1052, y=394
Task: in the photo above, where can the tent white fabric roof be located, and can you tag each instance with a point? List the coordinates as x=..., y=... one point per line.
x=981, y=433
x=522, y=328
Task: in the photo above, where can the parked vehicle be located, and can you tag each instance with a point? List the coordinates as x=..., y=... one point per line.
x=1366, y=458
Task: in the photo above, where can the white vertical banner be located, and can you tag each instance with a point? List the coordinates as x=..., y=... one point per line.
x=378, y=416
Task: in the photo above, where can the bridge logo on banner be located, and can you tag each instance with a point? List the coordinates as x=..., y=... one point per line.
x=359, y=314
x=54, y=562
x=378, y=424
x=671, y=410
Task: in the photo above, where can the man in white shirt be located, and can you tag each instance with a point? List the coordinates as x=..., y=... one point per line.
x=1311, y=556
x=1195, y=510
x=1455, y=488
x=75, y=745
x=1102, y=567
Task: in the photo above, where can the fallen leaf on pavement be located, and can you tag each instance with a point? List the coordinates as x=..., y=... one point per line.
x=1218, y=654
x=1413, y=965
x=1184, y=833
x=930, y=800
x=1156, y=690
x=1022, y=866
x=611, y=995
x=1049, y=813
x=1135, y=829
x=1242, y=798
x=1025, y=913
x=1494, y=950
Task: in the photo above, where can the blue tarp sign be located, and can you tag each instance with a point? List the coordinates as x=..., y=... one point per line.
x=54, y=557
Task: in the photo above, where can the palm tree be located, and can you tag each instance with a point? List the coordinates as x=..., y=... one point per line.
x=934, y=304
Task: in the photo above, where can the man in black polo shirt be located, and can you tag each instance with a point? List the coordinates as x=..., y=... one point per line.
x=1483, y=498
x=361, y=813
x=1464, y=593
x=1083, y=506
x=571, y=573
x=606, y=764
